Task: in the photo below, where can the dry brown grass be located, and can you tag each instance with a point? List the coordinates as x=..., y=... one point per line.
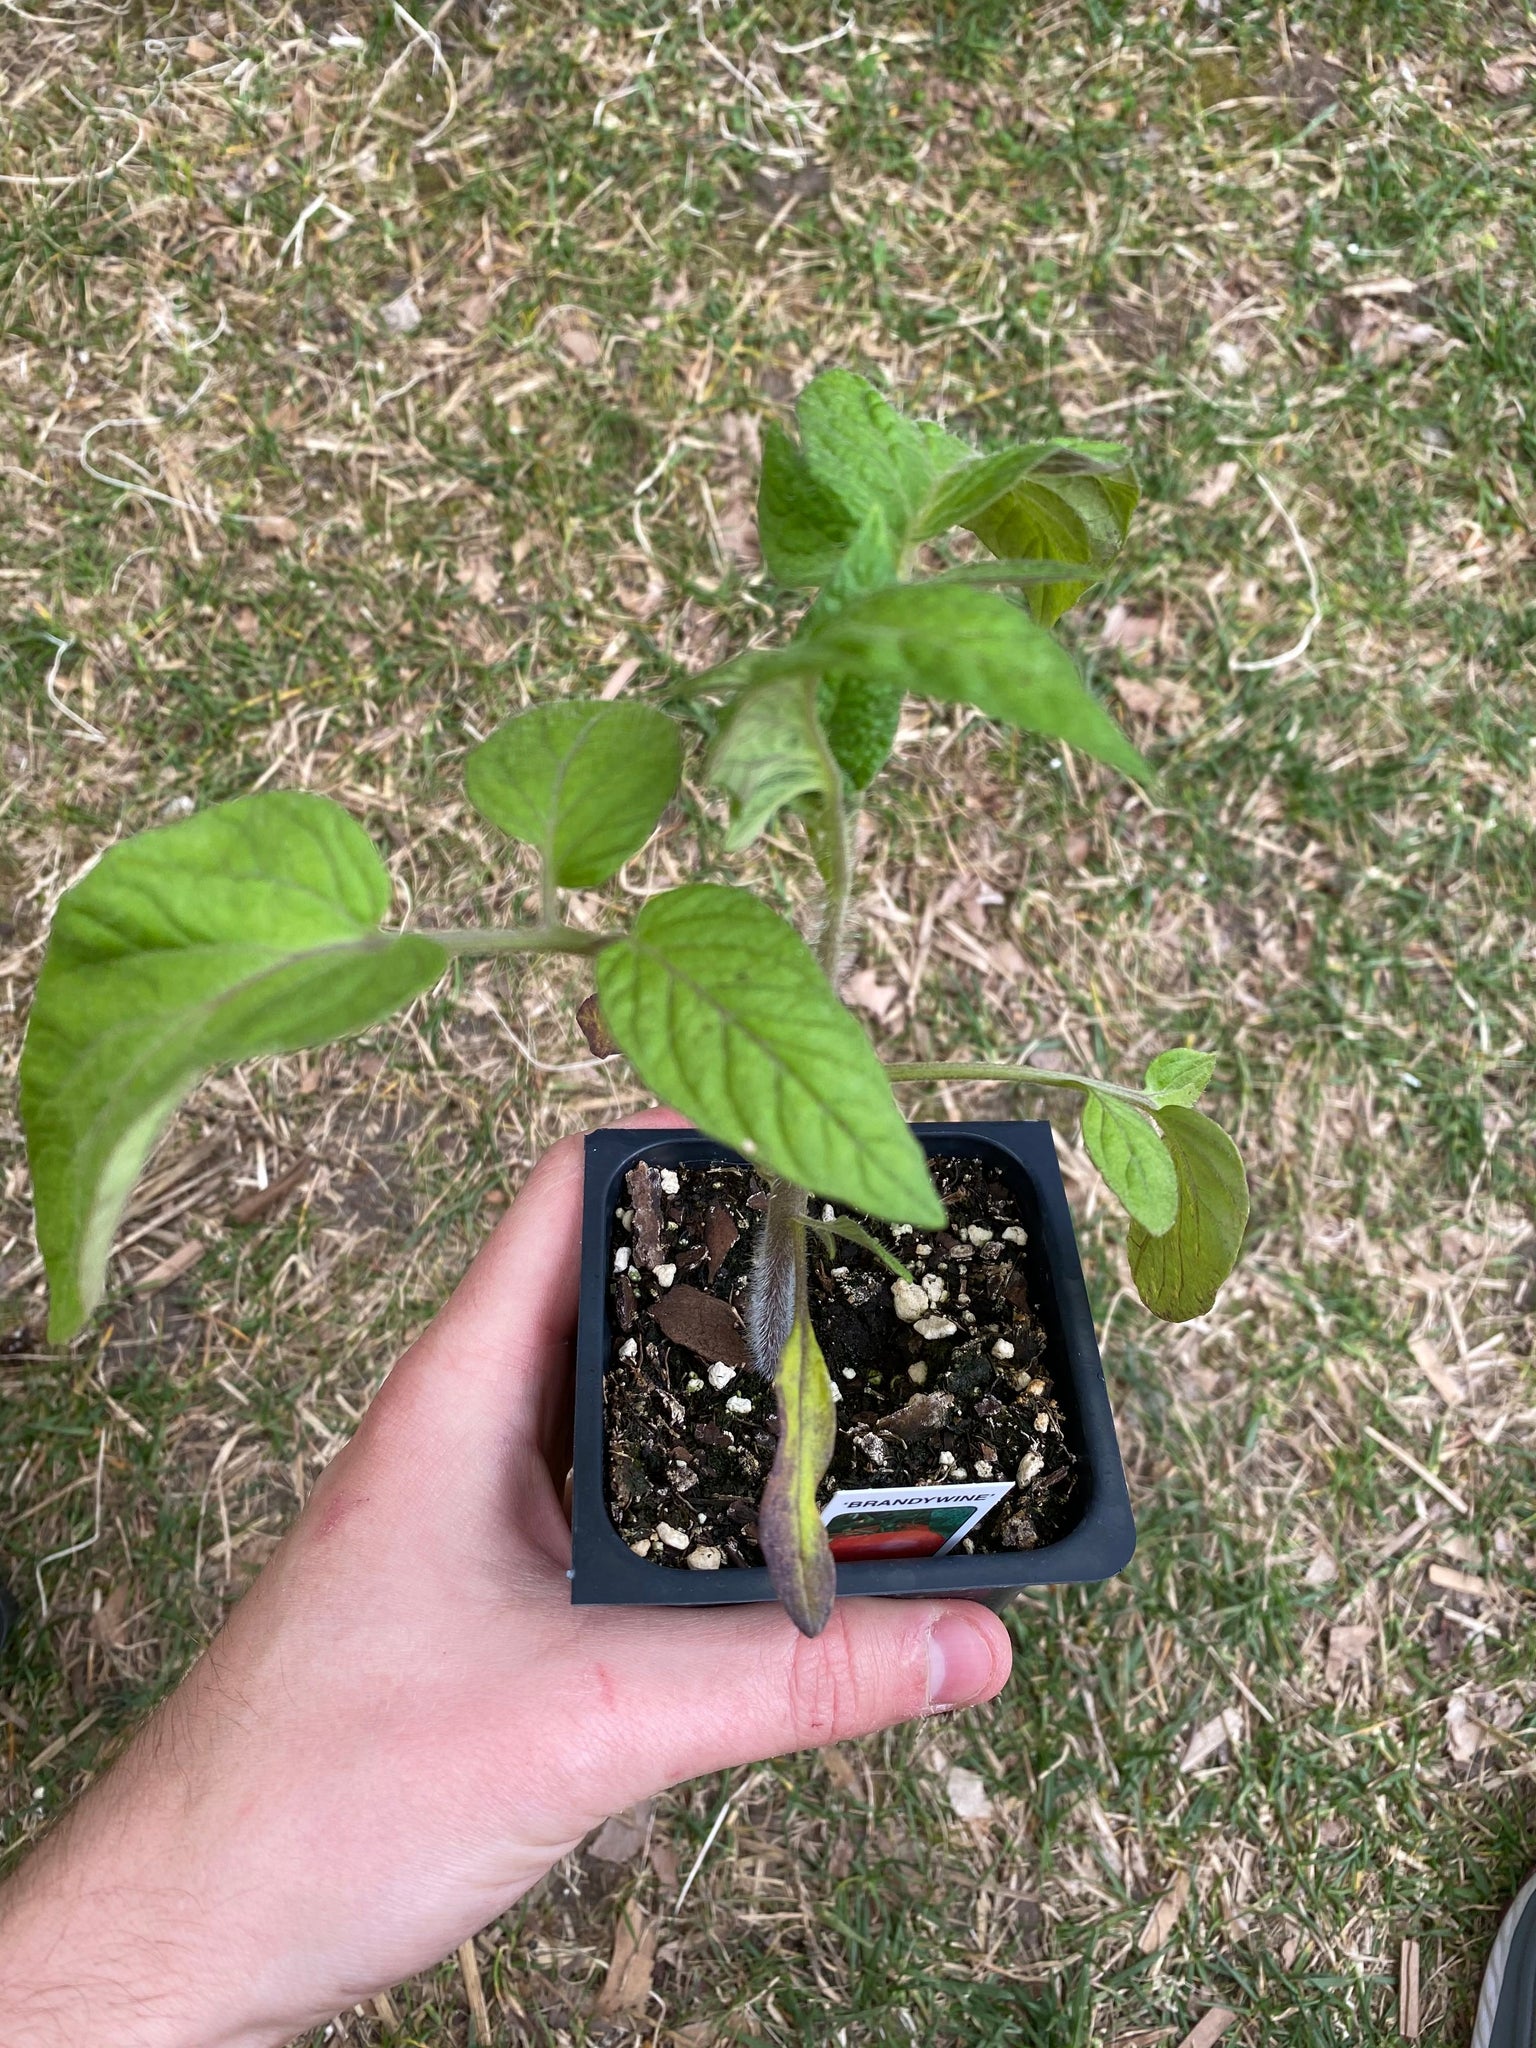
x=385, y=539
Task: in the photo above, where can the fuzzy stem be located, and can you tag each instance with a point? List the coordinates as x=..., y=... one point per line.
x=777, y=1291
x=540, y=938
x=838, y=873
x=1022, y=1076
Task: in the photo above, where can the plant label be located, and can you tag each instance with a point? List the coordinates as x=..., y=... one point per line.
x=906, y=1521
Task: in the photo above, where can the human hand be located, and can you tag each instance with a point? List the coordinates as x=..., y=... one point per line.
x=405, y=1722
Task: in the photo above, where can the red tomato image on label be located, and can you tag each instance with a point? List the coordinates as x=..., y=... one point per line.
x=859, y=1545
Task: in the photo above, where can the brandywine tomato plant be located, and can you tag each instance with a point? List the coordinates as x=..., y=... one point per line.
x=257, y=926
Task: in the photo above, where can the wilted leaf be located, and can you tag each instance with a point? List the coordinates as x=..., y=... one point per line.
x=969, y=1798
x=1209, y=2028
x=641, y=1181
x=1215, y=486
x=866, y=991
x=663, y=1860
x=923, y=1415
x=1465, y=1735
x=1476, y=1717
x=771, y=187
x=481, y=578
x=703, y=1324
x=1164, y=1916
x=1223, y=1731
x=720, y=1236
x=274, y=526
x=601, y=1042
x=107, y=1622
x=1506, y=76
x=1427, y=1357
x=401, y=315
x=737, y=524
x=1129, y=632
x=1172, y=706
x=623, y=1835
x=790, y=1529
x=581, y=346
x=1386, y=335
x=1349, y=1645
x=626, y=1990
x=840, y=1771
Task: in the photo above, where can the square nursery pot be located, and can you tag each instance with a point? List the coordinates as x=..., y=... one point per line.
x=606, y=1572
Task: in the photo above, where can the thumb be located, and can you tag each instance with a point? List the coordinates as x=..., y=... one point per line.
x=702, y=1690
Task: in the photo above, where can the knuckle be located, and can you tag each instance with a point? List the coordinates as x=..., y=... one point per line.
x=832, y=1691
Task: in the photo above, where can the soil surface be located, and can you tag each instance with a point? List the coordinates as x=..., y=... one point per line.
x=953, y=1388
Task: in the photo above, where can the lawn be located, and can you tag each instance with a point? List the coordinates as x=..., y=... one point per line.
x=368, y=374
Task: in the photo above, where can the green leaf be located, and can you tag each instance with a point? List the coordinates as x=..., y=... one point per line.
x=1133, y=1160
x=1023, y=573
x=789, y=1524
x=584, y=782
x=722, y=1010
x=869, y=562
x=862, y=449
x=1178, y=1273
x=964, y=492
x=945, y=451
x=802, y=525
x=1058, y=511
x=768, y=753
x=855, y=1233
x=1180, y=1076
x=961, y=645
x=250, y=928
x=860, y=718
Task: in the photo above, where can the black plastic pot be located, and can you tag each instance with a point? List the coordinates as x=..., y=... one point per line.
x=606, y=1572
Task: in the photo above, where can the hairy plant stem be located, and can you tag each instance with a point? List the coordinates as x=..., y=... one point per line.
x=1020, y=1075
x=837, y=871
x=777, y=1292
x=533, y=938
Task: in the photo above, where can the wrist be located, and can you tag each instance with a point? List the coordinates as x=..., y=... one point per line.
x=107, y=1935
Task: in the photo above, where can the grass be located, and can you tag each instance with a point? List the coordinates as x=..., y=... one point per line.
x=1184, y=227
